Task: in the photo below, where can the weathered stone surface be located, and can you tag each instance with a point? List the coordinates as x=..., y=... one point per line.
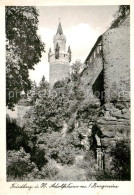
x=123, y=122
x=108, y=142
x=90, y=74
x=109, y=133
x=125, y=111
x=116, y=113
x=126, y=115
x=108, y=106
x=116, y=50
x=58, y=71
x=120, y=106
x=121, y=132
x=107, y=121
x=107, y=113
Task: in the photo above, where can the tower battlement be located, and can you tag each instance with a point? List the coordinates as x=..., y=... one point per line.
x=63, y=58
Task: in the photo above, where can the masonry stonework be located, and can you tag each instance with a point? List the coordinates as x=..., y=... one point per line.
x=90, y=74
x=116, y=51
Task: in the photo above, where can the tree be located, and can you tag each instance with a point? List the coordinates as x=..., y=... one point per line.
x=49, y=110
x=43, y=88
x=32, y=94
x=124, y=9
x=23, y=50
x=45, y=121
x=75, y=67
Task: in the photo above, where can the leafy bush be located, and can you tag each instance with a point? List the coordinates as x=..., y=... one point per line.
x=15, y=135
x=105, y=176
x=120, y=14
x=49, y=171
x=38, y=157
x=61, y=149
x=121, y=160
x=19, y=165
x=120, y=164
x=89, y=165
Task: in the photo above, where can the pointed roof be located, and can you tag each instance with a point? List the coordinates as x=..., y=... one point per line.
x=59, y=29
x=69, y=49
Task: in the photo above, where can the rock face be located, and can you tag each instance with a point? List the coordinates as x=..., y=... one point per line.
x=114, y=127
x=106, y=80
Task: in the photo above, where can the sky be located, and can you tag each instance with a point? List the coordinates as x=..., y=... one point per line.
x=81, y=25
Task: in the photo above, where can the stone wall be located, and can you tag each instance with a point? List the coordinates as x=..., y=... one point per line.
x=90, y=74
x=58, y=72
x=59, y=68
x=116, y=52
x=115, y=124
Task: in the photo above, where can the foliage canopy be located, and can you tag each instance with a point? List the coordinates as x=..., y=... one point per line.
x=23, y=50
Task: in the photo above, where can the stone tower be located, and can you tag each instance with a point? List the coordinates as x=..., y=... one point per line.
x=59, y=58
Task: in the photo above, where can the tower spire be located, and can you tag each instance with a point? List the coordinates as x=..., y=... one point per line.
x=59, y=30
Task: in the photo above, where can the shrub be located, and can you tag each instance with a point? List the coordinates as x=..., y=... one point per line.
x=49, y=171
x=15, y=135
x=121, y=160
x=19, y=165
x=120, y=164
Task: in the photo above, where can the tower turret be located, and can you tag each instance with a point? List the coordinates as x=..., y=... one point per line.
x=49, y=54
x=69, y=52
x=57, y=51
x=59, y=58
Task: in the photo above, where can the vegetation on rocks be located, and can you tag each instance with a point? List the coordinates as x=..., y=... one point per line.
x=120, y=15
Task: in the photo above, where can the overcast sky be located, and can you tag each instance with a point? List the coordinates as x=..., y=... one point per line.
x=81, y=25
